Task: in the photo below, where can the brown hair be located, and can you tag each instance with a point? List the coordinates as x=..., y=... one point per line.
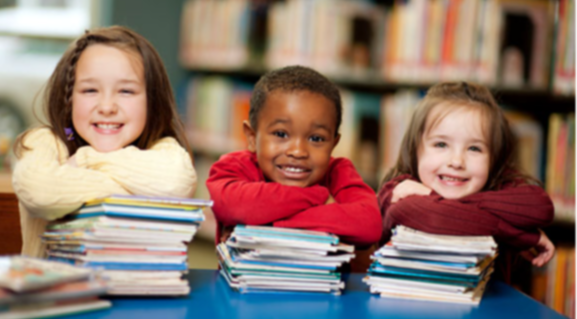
x=162, y=119
x=501, y=140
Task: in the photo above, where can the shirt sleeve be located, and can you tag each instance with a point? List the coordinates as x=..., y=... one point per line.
x=241, y=196
x=435, y=214
x=384, y=197
x=48, y=187
x=163, y=170
x=354, y=217
x=525, y=207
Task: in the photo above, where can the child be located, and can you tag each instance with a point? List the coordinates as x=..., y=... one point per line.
x=455, y=175
x=287, y=177
x=113, y=129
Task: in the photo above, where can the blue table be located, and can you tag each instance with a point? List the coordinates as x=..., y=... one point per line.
x=211, y=297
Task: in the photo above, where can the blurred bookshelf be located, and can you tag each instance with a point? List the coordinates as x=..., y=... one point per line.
x=384, y=55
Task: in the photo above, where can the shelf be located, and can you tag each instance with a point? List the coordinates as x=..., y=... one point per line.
x=524, y=98
x=212, y=144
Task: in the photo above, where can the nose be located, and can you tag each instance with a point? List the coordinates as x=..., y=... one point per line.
x=107, y=105
x=298, y=149
x=457, y=160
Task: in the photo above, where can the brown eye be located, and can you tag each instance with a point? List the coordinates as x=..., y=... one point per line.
x=280, y=134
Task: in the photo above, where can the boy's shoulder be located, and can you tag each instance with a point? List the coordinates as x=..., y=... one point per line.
x=242, y=159
x=238, y=156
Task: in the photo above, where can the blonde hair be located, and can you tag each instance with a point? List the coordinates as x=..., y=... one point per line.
x=162, y=119
x=500, y=138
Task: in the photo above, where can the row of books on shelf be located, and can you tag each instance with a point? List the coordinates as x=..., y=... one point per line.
x=413, y=265
x=560, y=170
x=407, y=42
x=554, y=284
x=372, y=129
x=564, y=69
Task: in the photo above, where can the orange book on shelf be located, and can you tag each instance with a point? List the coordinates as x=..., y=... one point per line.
x=239, y=114
x=560, y=277
x=449, y=32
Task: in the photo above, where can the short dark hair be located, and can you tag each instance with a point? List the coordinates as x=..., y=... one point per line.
x=291, y=79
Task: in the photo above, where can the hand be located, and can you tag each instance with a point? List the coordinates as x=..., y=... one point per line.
x=225, y=233
x=330, y=200
x=72, y=161
x=408, y=188
x=541, y=253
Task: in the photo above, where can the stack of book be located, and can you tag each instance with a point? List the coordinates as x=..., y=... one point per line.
x=139, y=243
x=272, y=259
x=418, y=265
x=32, y=288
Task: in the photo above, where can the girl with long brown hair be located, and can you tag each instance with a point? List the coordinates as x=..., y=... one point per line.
x=113, y=129
x=456, y=175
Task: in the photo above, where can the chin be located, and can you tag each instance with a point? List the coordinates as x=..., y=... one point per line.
x=106, y=148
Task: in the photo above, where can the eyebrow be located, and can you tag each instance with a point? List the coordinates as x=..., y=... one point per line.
x=123, y=81
x=278, y=121
x=447, y=138
x=323, y=127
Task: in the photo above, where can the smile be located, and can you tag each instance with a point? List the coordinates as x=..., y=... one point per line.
x=108, y=126
x=294, y=172
x=452, y=178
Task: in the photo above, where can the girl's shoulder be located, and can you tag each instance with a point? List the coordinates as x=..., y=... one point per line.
x=166, y=143
x=40, y=139
x=40, y=136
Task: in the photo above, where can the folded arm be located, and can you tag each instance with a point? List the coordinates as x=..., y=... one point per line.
x=47, y=186
x=354, y=217
x=452, y=217
x=241, y=196
x=163, y=170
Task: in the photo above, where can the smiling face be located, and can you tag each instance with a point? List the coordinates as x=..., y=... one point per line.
x=109, y=97
x=453, y=157
x=294, y=137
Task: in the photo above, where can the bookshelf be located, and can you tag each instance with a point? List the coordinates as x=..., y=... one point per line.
x=384, y=55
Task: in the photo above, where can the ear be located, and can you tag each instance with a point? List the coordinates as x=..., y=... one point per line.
x=337, y=139
x=250, y=136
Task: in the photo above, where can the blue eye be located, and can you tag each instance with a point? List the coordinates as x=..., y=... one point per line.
x=475, y=149
x=317, y=139
x=127, y=91
x=280, y=134
x=440, y=144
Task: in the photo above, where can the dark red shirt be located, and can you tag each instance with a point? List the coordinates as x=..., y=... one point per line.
x=512, y=215
x=242, y=195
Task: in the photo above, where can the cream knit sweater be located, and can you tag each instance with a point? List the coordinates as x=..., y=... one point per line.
x=49, y=188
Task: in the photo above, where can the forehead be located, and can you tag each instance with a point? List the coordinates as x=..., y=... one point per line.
x=458, y=118
x=100, y=59
x=300, y=107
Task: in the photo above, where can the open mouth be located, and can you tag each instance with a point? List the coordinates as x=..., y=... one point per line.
x=108, y=126
x=447, y=178
x=292, y=171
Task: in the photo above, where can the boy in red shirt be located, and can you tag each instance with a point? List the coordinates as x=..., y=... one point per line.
x=287, y=177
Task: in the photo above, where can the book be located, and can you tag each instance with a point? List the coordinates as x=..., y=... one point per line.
x=22, y=274
x=63, y=291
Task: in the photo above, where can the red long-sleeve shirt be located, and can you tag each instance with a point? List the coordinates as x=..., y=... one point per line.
x=241, y=195
x=511, y=214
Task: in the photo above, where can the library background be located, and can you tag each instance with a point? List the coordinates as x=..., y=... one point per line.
x=382, y=54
